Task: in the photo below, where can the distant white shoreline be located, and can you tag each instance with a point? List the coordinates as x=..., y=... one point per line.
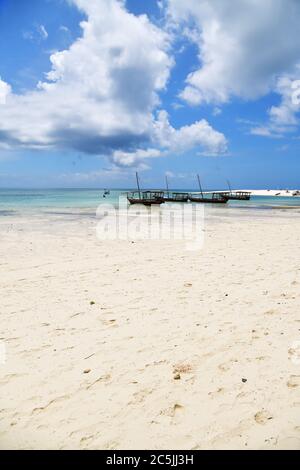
x=271, y=192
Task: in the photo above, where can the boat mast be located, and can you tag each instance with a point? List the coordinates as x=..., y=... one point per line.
x=228, y=183
x=167, y=185
x=138, y=183
x=200, y=187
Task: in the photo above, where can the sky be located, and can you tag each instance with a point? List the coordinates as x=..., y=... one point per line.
x=93, y=90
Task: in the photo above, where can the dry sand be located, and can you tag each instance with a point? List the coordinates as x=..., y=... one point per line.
x=120, y=345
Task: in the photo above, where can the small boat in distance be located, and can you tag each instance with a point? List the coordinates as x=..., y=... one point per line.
x=147, y=198
x=175, y=196
x=215, y=198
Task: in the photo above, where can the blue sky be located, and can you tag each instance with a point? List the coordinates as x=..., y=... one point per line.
x=168, y=92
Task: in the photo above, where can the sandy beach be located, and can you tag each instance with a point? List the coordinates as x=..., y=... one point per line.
x=145, y=345
x=148, y=300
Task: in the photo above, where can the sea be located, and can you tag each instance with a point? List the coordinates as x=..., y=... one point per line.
x=86, y=201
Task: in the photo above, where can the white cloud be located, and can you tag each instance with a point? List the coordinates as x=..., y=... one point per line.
x=285, y=113
x=42, y=30
x=100, y=94
x=5, y=90
x=179, y=175
x=191, y=95
x=216, y=111
x=264, y=131
x=64, y=28
x=123, y=158
x=199, y=134
x=38, y=34
x=283, y=117
x=93, y=176
x=244, y=45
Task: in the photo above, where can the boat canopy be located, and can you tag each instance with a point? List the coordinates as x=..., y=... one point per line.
x=155, y=194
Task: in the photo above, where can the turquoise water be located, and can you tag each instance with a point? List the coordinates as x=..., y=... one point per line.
x=19, y=200
x=14, y=199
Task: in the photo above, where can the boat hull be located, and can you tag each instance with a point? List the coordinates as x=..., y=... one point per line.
x=237, y=198
x=207, y=200
x=170, y=199
x=145, y=202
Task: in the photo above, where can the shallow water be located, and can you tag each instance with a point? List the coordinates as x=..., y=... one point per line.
x=84, y=202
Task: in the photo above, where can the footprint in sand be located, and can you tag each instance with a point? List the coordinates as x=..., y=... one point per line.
x=111, y=322
x=261, y=417
x=217, y=392
x=140, y=396
x=294, y=381
x=225, y=366
x=261, y=358
x=173, y=410
x=182, y=368
x=270, y=312
x=7, y=378
x=56, y=400
x=102, y=379
x=294, y=352
x=85, y=441
x=111, y=445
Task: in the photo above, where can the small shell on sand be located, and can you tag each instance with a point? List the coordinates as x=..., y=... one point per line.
x=261, y=417
x=294, y=381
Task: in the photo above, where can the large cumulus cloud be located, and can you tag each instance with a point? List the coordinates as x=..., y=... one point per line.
x=243, y=46
x=100, y=94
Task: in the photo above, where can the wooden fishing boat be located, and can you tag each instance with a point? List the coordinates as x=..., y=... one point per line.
x=147, y=198
x=215, y=198
x=237, y=195
x=175, y=196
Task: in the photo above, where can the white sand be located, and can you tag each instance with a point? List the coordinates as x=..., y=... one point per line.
x=270, y=192
x=226, y=313
x=273, y=192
